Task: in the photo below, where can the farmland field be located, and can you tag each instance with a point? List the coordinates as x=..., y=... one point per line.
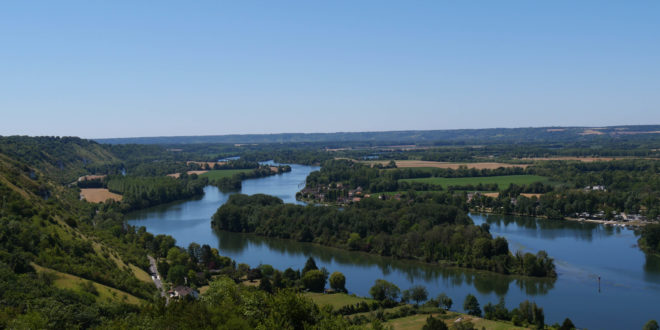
x=177, y=175
x=218, y=174
x=429, y=164
x=98, y=195
x=501, y=181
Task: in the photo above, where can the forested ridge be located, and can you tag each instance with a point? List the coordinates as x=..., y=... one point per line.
x=431, y=228
x=488, y=135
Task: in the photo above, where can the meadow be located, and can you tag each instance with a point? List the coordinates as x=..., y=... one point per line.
x=98, y=195
x=104, y=293
x=502, y=181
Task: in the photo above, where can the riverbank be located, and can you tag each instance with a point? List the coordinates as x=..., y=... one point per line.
x=636, y=223
x=583, y=252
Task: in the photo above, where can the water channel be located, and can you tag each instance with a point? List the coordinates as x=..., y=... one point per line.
x=628, y=295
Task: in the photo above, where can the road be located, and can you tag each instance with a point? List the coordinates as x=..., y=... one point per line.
x=153, y=269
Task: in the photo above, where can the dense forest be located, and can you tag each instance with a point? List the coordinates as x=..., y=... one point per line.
x=649, y=240
x=432, y=228
x=142, y=192
x=235, y=182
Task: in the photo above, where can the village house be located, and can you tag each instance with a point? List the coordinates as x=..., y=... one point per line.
x=355, y=192
x=595, y=188
x=182, y=291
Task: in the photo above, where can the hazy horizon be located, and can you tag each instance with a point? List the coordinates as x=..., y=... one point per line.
x=130, y=69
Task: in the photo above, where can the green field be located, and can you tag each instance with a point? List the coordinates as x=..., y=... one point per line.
x=502, y=181
x=416, y=322
x=218, y=174
x=336, y=300
x=72, y=282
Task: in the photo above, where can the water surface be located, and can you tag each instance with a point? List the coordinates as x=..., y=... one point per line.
x=630, y=282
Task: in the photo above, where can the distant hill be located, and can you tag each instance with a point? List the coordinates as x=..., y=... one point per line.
x=486, y=136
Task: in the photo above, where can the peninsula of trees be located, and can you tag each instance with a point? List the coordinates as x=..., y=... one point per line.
x=431, y=228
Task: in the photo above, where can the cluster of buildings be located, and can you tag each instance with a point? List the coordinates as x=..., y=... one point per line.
x=334, y=193
x=182, y=291
x=595, y=188
x=600, y=215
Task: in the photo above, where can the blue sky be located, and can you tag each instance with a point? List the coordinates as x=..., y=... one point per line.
x=152, y=68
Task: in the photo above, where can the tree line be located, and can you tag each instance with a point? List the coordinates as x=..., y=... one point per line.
x=235, y=182
x=142, y=192
x=431, y=228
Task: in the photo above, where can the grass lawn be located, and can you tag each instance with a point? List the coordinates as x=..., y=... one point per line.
x=502, y=181
x=218, y=174
x=140, y=274
x=72, y=282
x=336, y=300
x=416, y=322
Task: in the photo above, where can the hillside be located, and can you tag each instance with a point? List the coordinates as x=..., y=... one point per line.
x=69, y=264
x=50, y=243
x=62, y=159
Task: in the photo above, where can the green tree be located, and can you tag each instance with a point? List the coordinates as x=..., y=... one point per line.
x=267, y=270
x=195, y=252
x=265, y=285
x=338, y=282
x=384, y=290
x=418, y=293
x=310, y=264
x=539, y=317
x=471, y=305
x=314, y=280
x=354, y=241
x=445, y=300
x=568, y=325
x=163, y=268
x=651, y=325
x=464, y=325
x=192, y=276
x=176, y=275
x=406, y=296
x=434, y=324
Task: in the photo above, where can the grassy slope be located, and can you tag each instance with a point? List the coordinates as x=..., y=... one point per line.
x=416, y=322
x=502, y=181
x=336, y=300
x=72, y=282
x=218, y=174
x=14, y=176
x=413, y=322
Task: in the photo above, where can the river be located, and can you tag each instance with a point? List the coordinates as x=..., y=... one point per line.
x=627, y=297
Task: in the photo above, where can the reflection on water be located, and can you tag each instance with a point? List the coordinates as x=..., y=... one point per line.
x=237, y=245
x=582, y=253
x=549, y=229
